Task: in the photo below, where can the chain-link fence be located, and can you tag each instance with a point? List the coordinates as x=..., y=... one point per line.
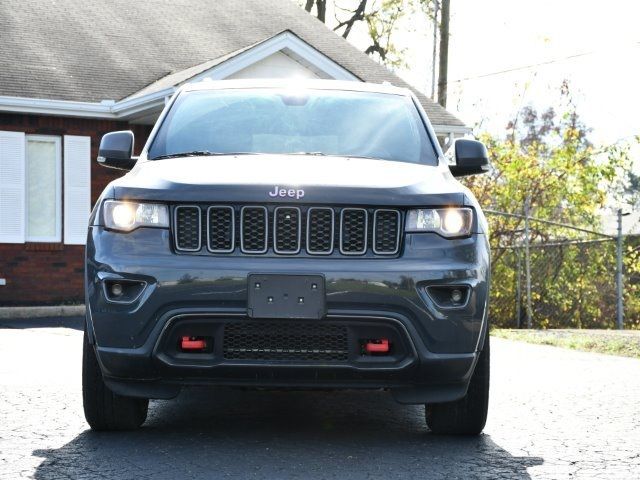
x=548, y=274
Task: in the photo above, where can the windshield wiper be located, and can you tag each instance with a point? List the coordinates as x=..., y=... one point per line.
x=199, y=153
x=322, y=154
x=364, y=156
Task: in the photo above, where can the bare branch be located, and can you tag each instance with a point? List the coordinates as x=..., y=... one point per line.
x=357, y=15
x=377, y=48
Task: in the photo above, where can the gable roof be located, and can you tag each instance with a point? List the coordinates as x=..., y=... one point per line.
x=95, y=50
x=226, y=66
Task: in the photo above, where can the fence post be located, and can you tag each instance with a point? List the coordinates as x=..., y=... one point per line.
x=518, y=292
x=619, y=278
x=527, y=261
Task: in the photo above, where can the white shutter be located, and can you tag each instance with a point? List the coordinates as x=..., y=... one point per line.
x=12, y=187
x=77, y=188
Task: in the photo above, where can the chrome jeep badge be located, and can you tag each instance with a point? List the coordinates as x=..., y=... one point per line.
x=287, y=192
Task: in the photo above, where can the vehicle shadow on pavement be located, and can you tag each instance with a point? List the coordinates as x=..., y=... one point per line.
x=214, y=432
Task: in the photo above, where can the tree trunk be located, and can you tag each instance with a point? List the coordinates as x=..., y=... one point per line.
x=444, y=53
x=309, y=5
x=321, y=5
x=322, y=9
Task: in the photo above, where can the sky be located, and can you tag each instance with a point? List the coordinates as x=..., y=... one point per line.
x=506, y=54
x=594, y=45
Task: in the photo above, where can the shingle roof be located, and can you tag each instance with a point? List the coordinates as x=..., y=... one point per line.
x=176, y=78
x=92, y=50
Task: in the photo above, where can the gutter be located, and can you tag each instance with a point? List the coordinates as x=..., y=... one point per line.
x=106, y=109
x=455, y=129
x=126, y=108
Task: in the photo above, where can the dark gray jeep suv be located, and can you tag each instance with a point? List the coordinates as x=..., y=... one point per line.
x=281, y=235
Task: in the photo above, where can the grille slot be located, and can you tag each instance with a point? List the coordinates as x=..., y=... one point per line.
x=220, y=229
x=276, y=340
x=320, y=231
x=287, y=225
x=353, y=231
x=188, y=228
x=254, y=227
x=386, y=232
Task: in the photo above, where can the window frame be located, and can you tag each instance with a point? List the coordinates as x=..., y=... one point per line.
x=57, y=238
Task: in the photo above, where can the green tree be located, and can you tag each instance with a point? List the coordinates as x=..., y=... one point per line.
x=548, y=158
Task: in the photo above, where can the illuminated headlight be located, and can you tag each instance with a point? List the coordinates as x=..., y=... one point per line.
x=127, y=216
x=448, y=222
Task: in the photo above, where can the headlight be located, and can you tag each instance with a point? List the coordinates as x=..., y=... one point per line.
x=448, y=222
x=127, y=216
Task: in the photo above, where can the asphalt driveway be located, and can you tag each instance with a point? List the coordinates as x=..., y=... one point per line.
x=554, y=414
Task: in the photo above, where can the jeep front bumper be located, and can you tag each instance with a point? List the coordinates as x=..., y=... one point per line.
x=434, y=350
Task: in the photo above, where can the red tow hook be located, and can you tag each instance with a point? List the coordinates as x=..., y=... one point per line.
x=193, y=343
x=377, y=346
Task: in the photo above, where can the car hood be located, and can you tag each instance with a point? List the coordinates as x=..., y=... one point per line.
x=289, y=178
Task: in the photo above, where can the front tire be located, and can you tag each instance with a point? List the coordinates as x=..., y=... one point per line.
x=468, y=415
x=103, y=409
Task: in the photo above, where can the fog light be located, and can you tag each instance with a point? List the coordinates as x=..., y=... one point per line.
x=116, y=289
x=456, y=296
x=123, y=291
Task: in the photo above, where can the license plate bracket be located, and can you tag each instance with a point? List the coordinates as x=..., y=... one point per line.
x=286, y=296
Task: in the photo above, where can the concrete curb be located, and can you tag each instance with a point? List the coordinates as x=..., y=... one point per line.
x=36, y=312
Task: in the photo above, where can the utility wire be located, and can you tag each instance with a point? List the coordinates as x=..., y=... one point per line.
x=533, y=65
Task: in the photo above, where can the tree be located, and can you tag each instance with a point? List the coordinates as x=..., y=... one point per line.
x=380, y=17
x=548, y=157
x=381, y=20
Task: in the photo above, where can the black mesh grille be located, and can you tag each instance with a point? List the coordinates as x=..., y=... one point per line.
x=320, y=230
x=353, y=231
x=287, y=230
x=386, y=225
x=254, y=229
x=300, y=341
x=188, y=228
x=221, y=229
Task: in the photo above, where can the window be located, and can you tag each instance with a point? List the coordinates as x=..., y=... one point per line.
x=43, y=189
x=32, y=205
x=328, y=122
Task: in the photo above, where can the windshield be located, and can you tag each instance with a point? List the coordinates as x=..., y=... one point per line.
x=319, y=122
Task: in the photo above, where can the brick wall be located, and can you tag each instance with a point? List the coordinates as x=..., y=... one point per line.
x=45, y=273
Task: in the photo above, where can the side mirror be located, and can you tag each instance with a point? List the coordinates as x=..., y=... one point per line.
x=471, y=158
x=116, y=150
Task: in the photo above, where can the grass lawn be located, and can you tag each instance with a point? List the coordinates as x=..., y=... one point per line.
x=612, y=342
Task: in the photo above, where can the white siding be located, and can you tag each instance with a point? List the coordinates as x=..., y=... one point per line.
x=12, y=187
x=277, y=65
x=77, y=188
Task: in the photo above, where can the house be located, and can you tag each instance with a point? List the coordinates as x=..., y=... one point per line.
x=71, y=71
